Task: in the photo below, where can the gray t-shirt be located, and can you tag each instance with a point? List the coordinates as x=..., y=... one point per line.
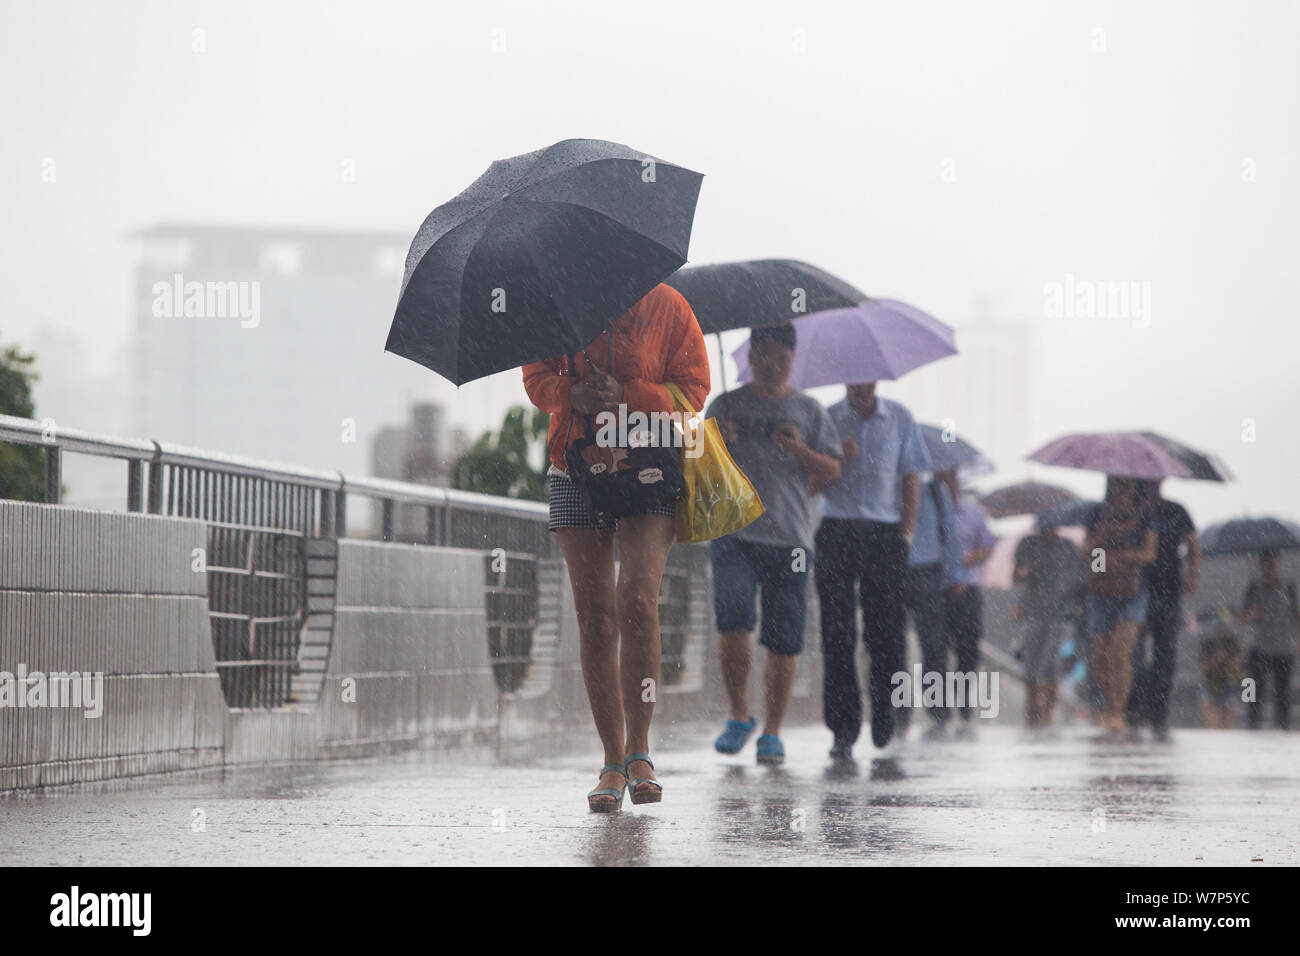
x=777, y=475
x=1274, y=625
x=1056, y=569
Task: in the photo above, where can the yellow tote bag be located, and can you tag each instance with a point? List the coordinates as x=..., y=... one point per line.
x=720, y=499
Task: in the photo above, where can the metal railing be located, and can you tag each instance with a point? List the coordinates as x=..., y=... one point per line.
x=261, y=517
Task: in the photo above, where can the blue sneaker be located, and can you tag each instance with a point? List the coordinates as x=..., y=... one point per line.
x=734, y=736
x=770, y=749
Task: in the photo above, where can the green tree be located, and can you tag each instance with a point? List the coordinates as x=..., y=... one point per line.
x=498, y=463
x=22, y=468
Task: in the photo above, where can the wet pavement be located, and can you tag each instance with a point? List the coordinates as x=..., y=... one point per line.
x=1208, y=798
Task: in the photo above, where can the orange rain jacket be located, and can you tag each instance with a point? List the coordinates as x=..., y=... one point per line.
x=656, y=341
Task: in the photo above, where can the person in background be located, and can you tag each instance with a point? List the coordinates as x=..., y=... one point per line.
x=784, y=441
x=1050, y=570
x=1269, y=606
x=868, y=520
x=933, y=561
x=1221, y=669
x=1121, y=542
x=1166, y=584
x=963, y=611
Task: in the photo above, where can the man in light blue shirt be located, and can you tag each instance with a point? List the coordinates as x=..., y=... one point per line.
x=868, y=521
x=933, y=563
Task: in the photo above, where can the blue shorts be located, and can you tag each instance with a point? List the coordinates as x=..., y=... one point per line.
x=740, y=569
x=1103, y=615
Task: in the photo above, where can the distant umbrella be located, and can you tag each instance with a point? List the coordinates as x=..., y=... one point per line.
x=539, y=255
x=877, y=340
x=1126, y=455
x=1074, y=514
x=1026, y=498
x=757, y=292
x=1250, y=536
x=955, y=453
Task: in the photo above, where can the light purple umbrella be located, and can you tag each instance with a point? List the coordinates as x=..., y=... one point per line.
x=1122, y=454
x=876, y=340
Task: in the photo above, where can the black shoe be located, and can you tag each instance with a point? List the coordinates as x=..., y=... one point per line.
x=842, y=748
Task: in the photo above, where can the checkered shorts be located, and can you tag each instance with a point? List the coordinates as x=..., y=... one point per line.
x=569, y=509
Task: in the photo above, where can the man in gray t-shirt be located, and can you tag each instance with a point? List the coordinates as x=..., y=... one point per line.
x=1271, y=607
x=785, y=443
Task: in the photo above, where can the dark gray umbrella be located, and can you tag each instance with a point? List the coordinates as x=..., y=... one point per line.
x=1026, y=498
x=757, y=292
x=736, y=295
x=1250, y=536
x=539, y=255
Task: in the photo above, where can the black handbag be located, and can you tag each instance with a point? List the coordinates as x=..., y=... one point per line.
x=620, y=481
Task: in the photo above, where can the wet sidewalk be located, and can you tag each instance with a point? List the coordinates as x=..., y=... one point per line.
x=1222, y=798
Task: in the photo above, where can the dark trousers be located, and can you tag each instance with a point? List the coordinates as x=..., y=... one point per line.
x=964, y=624
x=871, y=557
x=1266, y=669
x=923, y=596
x=1148, y=700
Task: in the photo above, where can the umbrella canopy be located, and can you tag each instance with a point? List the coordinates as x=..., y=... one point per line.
x=1203, y=466
x=1124, y=455
x=734, y=295
x=953, y=452
x=877, y=340
x=539, y=255
x=1074, y=514
x=1026, y=498
x=1250, y=536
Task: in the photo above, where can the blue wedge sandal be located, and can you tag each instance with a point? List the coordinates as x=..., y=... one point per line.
x=651, y=794
x=595, y=800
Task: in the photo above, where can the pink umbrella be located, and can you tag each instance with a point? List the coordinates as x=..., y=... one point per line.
x=876, y=340
x=1122, y=454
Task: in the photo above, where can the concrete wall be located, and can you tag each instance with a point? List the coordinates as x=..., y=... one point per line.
x=116, y=593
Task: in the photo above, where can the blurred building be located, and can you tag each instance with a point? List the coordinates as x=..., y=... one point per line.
x=987, y=391
x=423, y=451
x=269, y=343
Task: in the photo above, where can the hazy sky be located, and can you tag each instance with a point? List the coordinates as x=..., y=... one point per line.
x=934, y=152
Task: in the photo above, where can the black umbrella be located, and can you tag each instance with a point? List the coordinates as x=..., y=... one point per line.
x=539, y=255
x=736, y=295
x=1250, y=536
x=757, y=292
x=1027, y=498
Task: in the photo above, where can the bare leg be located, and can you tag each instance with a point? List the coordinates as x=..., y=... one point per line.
x=778, y=681
x=589, y=556
x=735, y=655
x=643, y=543
x=1048, y=704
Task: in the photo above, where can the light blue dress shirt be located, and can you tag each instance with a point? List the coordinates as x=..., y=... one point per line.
x=936, y=540
x=889, y=447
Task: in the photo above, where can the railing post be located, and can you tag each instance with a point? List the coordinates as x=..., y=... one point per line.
x=431, y=536
x=53, y=474
x=387, y=510
x=134, y=485
x=340, y=513
x=155, y=504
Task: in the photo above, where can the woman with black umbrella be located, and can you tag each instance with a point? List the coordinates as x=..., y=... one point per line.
x=655, y=343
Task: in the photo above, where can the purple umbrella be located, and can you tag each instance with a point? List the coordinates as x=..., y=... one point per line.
x=877, y=340
x=1122, y=454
